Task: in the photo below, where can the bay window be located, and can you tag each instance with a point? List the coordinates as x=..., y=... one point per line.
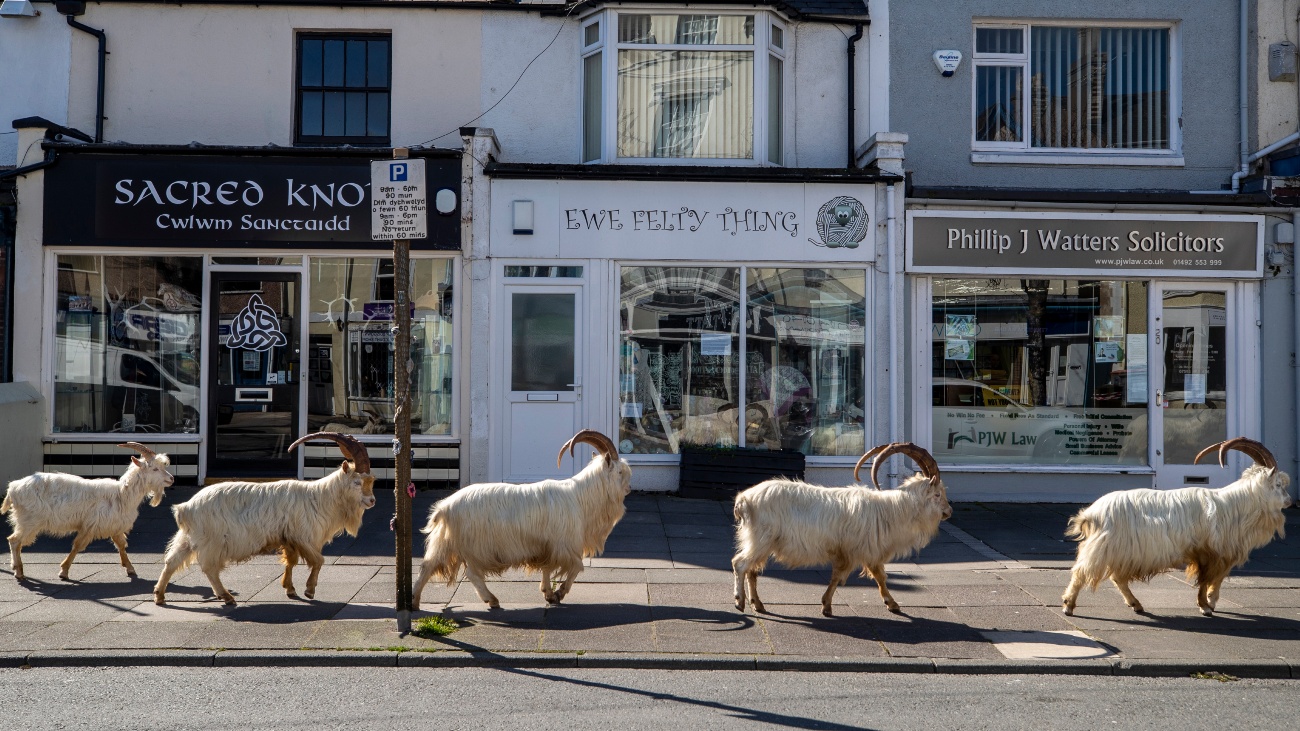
x=661, y=87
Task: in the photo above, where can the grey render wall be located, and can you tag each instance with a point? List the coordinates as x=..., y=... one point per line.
x=936, y=111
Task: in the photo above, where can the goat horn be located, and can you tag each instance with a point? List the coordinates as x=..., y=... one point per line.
x=354, y=450
x=1251, y=448
x=601, y=442
x=143, y=450
x=870, y=453
x=923, y=459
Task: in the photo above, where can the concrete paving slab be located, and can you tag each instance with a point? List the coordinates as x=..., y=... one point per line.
x=604, y=594
x=676, y=595
x=1047, y=645
x=72, y=611
x=1259, y=598
x=956, y=595
x=127, y=635
x=1213, y=647
x=687, y=576
x=799, y=629
x=251, y=635
x=1012, y=618
x=625, y=628
x=37, y=636
x=716, y=560
x=9, y=607
x=151, y=613
x=492, y=638
x=707, y=628
x=626, y=561
x=514, y=615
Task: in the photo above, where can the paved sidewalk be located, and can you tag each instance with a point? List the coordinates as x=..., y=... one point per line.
x=983, y=597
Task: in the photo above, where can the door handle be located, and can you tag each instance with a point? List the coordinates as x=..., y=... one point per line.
x=577, y=389
x=1160, y=398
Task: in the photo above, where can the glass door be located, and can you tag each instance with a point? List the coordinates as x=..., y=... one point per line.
x=1193, y=399
x=253, y=400
x=543, y=333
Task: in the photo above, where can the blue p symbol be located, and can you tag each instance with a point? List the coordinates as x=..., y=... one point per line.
x=397, y=172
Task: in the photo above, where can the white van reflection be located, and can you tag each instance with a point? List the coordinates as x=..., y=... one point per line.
x=118, y=389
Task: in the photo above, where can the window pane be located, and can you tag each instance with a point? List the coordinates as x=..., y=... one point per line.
x=334, y=114
x=685, y=104
x=735, y=30
x=312, y=109
x=356, y=114
x=678, y=364
x=311, y=62
x=997, y=103
x=1038, y=371
x=333, y=75
x=775, y=110
x=591, y=34
x=377, y=115
x=377, y=64
x=127, y=338
x=1100, y=88
x=356, y=63
x=542, y=341
x=593, y=80
x=999, y=40
x=349, y=368
x=804, y=359
x=778, y=37
x=1196, y=372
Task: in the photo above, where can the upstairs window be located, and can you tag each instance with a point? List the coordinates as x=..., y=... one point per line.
x=674, y=87
x=1073, y=88
x=343, y=89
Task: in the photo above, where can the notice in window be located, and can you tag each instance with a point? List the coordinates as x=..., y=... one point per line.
x=715, y=343
x=1107, y=352
x=957, y=349
x=959, y=326
x=1135, y=355
x=1194, y=388
x=1108, y=326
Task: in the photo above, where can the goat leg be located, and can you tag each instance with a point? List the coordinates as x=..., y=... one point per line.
x=878, y=573
x=1070, y=598
x=1129, y=599
x=480, y=588
x=839, y=574
x=548, y=592
x=315, y=559
x=214, y=577
x=426, y=572
x=751, y=581
x=79, y=543
x=178, y=554
x=570, y=574
x=119, y=540
x=290, y=558
x=16, y=555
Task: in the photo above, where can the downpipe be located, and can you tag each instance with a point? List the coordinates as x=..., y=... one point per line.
x=103, y=58
x=853, y=42
x=891, y=235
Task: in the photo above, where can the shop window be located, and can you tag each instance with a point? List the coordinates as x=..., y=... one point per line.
x=343, y=89
x=694, y=339
x=127, y=344
x=1039, y=371
x=1073, y=88
x=350, y=361
x=674, y=86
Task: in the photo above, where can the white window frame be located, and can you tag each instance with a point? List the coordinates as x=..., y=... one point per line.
x=762, y=48
x=985, y=151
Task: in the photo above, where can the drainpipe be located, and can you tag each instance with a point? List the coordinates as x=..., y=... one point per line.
x=895, y=407
x=1295, y=322
x=853, y=41
x=1243, y=99
x=103, y=58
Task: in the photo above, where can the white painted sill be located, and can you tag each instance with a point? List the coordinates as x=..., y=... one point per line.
x=1091, y=160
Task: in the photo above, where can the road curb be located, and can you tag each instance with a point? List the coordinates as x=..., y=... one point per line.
x=976, y=666
x=119, y=658
x=305, y=658
x=811, y=664
x=655, y=661
x=457, y=659
x=1177, y=667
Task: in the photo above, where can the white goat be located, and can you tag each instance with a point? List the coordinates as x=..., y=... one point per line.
x=233, y=521
x=805, y=525
x=546, y=526
x=1133, y=535
x=59, y=504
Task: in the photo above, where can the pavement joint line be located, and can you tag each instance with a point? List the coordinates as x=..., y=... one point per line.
x=981, y=547
x=1134, y=667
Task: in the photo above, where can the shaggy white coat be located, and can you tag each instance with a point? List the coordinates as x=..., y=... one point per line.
x=546, y=526
x=233, y=521
x=800, y=524
x=1133, y=535
x=59, y=504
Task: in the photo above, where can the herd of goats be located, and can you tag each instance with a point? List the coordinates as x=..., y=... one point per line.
x=550, y=526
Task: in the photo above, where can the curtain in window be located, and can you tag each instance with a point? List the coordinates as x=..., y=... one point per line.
x=685, y=103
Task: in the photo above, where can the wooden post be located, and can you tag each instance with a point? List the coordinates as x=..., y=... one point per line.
x=402, y=418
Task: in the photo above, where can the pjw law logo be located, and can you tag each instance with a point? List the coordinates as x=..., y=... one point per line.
x=256, y=328
x=841, y=222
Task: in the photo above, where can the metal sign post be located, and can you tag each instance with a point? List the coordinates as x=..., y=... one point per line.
x=398, y=213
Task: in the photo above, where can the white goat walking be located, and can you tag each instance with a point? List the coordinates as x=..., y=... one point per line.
x=800, y=524
x=1133, y=535
x=546, y=526
x=59, y=504
x=233, y=521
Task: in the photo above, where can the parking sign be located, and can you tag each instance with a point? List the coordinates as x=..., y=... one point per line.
x=397, y=194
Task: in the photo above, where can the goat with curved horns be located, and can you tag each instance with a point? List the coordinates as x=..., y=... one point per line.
x=547, y=526
x=59, y=504
x=1133, y=535
x=800, y=524
x=233, y=521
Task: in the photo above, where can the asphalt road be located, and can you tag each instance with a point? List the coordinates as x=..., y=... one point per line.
x=241, y=699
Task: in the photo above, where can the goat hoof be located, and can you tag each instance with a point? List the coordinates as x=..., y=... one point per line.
x=1139, y=609
x=291, y=594
x=1068, y=610
x=759, y=608
x=895, y=609
x=64, y=577
x=1207, y=612
x=494, y=605
x=826, y=612
x=740, y=604
x=132, y=575
x=159, y=599
x=310, y=593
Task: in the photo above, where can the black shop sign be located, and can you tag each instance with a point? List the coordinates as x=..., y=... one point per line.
x=227, y=201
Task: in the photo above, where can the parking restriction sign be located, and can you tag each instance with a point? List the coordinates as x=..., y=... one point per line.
x=397, y=195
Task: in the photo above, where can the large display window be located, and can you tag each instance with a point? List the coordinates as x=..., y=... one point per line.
x=350, y=357
x=694, y=339
x=1039, y=371
x=127, y=344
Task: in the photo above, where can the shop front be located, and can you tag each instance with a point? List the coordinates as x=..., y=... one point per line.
x=1109, y=348
x=677, y=313
x=220, y=305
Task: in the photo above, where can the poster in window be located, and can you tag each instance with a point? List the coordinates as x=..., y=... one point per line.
x=961, y=327
x=1107, y=352
x=1194, y=388
x=958, y=349
x=715, y=343
x=1108, y=326
x=252, y=360
x=1135, y=354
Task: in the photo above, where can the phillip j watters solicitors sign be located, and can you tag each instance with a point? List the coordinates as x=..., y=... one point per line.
x=1091, y=244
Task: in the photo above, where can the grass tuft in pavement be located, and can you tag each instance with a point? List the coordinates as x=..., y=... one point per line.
x=1215, y=675
x=434, y=626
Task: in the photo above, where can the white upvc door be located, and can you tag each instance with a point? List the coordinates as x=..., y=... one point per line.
x=542, y=332
x=1197, y=368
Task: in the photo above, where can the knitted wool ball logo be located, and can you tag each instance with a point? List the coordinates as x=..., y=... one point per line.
x=841, y=222
x=256, y=328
